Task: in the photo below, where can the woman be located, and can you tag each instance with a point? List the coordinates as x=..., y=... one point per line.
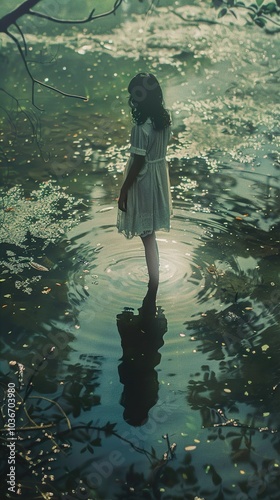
x=145, y=200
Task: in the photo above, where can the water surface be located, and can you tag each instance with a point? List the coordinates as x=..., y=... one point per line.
x=190, y=409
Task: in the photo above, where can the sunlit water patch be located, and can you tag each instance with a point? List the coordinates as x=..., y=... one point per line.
x=114, y=274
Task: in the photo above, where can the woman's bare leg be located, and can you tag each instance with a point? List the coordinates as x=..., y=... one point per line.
x=152, y=259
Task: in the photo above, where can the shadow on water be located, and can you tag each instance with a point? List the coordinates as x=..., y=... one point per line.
x=140, y=357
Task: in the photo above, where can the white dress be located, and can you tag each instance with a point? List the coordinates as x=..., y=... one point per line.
x=149, y=199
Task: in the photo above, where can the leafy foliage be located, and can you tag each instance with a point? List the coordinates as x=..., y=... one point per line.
x=259, y=12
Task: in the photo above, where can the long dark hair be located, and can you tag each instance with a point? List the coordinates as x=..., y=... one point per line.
x=146, y=101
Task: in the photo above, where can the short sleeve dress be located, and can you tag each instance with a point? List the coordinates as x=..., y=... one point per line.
x=149, y=204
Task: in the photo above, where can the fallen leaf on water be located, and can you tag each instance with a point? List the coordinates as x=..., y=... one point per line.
x=264, y=347
x=212, y=269
x=105, y=209
x=39, y=267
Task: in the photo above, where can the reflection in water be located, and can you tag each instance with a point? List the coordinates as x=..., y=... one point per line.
x=140, y=357
x=220, y=273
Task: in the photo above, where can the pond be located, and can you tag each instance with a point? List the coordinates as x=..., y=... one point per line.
x=190, y=410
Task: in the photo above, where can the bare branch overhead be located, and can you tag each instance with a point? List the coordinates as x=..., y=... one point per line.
x=90, y=17
x=12, y=18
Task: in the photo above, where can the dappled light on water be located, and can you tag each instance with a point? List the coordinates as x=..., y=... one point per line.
x=113, y=403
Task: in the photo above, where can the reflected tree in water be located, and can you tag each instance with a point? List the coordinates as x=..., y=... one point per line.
x=47, y=424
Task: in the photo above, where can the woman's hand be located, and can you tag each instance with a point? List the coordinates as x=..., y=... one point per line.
x=122, y=202
x=137, y=164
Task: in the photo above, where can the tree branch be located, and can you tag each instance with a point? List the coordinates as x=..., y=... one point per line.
x=34, y=80
x=25, y=9
x=148, y=454
x=13, y=16
x=23, y=37
x=270, y=20
x=193, y=21
x=19, y=108
x=90, y=17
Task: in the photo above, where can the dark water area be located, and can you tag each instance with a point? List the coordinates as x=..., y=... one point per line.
x=190, y=409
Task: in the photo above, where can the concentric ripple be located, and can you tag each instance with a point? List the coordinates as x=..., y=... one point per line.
x=113, y=274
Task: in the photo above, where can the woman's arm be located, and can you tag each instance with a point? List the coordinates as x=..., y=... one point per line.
x=137, y=164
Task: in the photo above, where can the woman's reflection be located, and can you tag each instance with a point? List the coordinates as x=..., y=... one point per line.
x=141, y=337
